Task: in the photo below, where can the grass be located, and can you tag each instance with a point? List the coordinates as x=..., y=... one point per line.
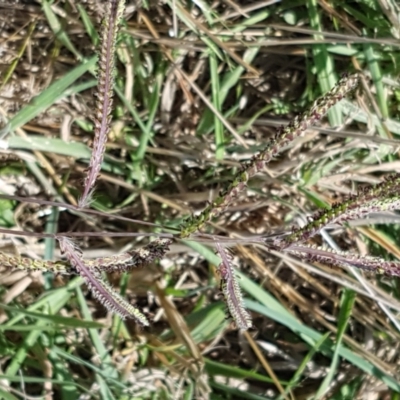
x=190, y=106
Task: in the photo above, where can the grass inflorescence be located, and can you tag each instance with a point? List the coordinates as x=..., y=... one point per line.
x=199, y=91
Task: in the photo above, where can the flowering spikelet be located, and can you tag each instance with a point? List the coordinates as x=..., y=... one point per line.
x=343, y=258
x=282, y=138
x=102, y=116
x=100, y=289
x=382, y=197
x=141, y=257
x=28, y=264
x=121, y=262
x=231, y=290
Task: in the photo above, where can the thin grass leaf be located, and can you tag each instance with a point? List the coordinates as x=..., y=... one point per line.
x=267, y=305
x=89, y=27
x=54, y=92
x=376, y=75
x=7, y=74
x=53, y=319
x=323, y=60
x=346, y=306
x=106, y=367
x=58, y=29
x=298, y=376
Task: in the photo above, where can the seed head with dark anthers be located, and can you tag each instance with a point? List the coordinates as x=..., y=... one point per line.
x=100, y=289
x=102, y=115
x=123, y=262
x=231, y=290
x=382, y=197
x=282, y=138
x=342, y=258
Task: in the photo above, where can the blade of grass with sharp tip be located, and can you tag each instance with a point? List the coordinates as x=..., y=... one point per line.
x=147, y=133
x=67, y=388
x=351, y=110
x=76, y=150
x=49, y=242
x=99, y=370
x=53, y=319
x=87, y=22
x=24, y=347
x=187, y=19
x=210, y=322
x=230, y=79
x=30, y=379
x=53, y=145
x=58, y=30
x=55, y=300
x=104, y=389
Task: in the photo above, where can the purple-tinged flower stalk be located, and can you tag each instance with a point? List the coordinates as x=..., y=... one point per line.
x=382, y=197
x=231, y=290
x=102, y=115
x=282, y=138
x=101, y=290
x=344, y=258
x=123, y=262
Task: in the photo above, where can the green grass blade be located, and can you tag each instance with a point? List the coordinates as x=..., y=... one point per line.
x=269, y=307
x=376, y=75
x=215, y=89
x=58, y=30
x=346, y=307
x=87, y=22
x=49, y=96
x=323, y=62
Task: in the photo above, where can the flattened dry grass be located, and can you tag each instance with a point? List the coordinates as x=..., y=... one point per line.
x=199, y=89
